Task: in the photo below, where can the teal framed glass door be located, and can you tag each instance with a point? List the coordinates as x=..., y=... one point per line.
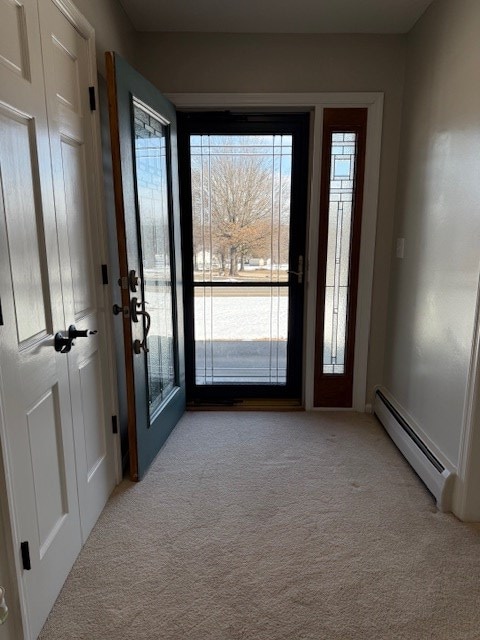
x=143, y=135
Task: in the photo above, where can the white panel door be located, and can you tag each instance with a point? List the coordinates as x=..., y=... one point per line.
x=37, y=415
x=71, y=126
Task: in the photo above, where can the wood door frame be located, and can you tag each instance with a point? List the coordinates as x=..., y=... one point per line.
x=316, y=103
x=16, y=594
x=335, y=389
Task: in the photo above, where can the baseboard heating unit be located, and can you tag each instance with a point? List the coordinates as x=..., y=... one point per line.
x=438, y=480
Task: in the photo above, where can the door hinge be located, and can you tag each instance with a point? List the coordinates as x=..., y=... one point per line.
x=93, y=100
x=114, y=424
x=104, y=274
x=25, y=549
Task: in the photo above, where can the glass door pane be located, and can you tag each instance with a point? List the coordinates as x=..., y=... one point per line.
x=241, y=204
x=241, y=207
x=153, y=216
x=341, y=191
x=241, y=335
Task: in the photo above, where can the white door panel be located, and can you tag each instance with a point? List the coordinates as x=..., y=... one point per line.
x=66, y=64
x=18, y=137
x=38, y=436
x=55, y=434
x=81, y=260
x=14, y=37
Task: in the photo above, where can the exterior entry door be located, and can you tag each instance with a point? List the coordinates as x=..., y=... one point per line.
x=244, y=190
x=143, y=136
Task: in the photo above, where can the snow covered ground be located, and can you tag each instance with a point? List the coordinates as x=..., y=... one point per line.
x=241, y=318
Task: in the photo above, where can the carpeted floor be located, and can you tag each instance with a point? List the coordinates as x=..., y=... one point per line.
x=273, y=526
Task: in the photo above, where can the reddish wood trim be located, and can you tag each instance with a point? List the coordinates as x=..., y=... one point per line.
x=336, y=390
x=122, y=258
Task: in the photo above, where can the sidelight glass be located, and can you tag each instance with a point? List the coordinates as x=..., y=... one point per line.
x=341, y=193
x=151, y=140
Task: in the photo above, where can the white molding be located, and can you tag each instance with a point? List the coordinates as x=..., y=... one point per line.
x=73, y=15
x=111, y=364
x=466, y=502
x=8, y=512
x=266, y=100
x=316, y=102
x=367, y=251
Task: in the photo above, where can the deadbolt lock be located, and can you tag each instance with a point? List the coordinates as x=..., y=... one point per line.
x=133, y=280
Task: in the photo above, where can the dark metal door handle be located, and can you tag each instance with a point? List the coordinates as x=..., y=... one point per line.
x=139, y=345
x=133, y=280
x=299, y=272
x=64, y=343
x=138, y=309
x=73, y=332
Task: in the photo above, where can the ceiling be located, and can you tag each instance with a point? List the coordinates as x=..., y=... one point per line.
x=275, y=16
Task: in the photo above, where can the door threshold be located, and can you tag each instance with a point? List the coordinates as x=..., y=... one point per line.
x=247, y=404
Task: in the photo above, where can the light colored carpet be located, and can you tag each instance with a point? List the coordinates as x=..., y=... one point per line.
x=273, y=526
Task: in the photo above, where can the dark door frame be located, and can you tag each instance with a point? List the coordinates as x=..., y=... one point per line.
x=222, y=122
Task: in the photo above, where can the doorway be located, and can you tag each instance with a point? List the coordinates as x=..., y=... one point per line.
x=244, y=184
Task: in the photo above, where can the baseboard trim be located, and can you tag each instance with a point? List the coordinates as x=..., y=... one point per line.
x=438, y=479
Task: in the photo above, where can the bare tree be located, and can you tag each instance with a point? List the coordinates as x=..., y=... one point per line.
x=233, y=208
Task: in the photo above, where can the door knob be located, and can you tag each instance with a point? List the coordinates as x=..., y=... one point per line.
x=117, y=309
x=64, y=343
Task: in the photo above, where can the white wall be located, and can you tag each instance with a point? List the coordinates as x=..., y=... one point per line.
x=433, y=289
x=187, y=62
x=113, y=29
